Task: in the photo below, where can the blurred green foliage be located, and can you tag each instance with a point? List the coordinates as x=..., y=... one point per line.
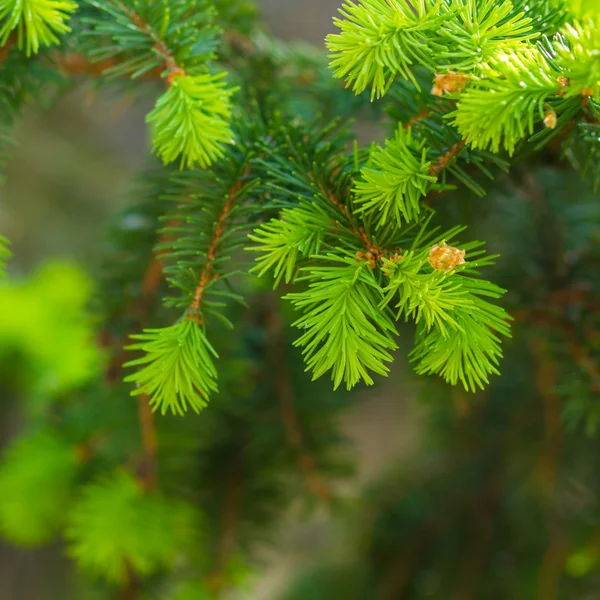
x=46, y=335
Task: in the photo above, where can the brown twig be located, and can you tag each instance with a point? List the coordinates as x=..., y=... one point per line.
x=131, y=588
x=444, y=160
x=417, y=118
x=207, y=273
x=173, y=68
x=289, y=416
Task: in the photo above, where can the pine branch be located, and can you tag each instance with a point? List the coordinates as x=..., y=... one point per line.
x=395, y=180
x=36, y=22
x=380, y=39
x=191, y=120
x=344, y=330
x=207, y=273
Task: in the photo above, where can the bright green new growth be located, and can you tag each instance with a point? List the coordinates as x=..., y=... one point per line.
x=344, y=329
x=519, y=85
x=115, y=526
x=192, y=120
x=177, y=369
x=38, y=22
x=380, y=39
x=457, y=328
x=36, y=477
x=395, y=180
x=297, y=233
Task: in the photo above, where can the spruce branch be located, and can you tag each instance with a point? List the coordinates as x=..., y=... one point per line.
x=297, y=233
x=380, y=39
x=344, y=330
x=520, y=84
x=177, y=369
x=479, y=30
x=395, y=179
x=191, y=120
x=36, y=22
x=207, y=273
x=469, y=352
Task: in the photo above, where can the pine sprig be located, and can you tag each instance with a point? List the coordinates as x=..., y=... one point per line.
x=344, y=330
x=37, y=22
x=381, y=39
x=171, y=36
x=469, y=353
x=298, y=233
x=177, y=371
x=395, y=180
x=207, y=229
x=478, y=30
x=191, y=120
x=520, y=84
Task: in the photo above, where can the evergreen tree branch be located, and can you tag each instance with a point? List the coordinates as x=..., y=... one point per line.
x=207, y=273
x=35, y=22
x=170, y=63
x=191, y=120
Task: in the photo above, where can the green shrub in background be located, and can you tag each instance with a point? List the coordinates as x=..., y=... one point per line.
x=492, y=116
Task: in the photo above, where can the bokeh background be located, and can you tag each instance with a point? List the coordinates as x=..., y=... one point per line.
x=72, y=169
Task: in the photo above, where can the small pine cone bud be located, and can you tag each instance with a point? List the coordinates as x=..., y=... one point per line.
x=550, y=119
x=449, y=83
x=445, y=258
x=563, y=81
